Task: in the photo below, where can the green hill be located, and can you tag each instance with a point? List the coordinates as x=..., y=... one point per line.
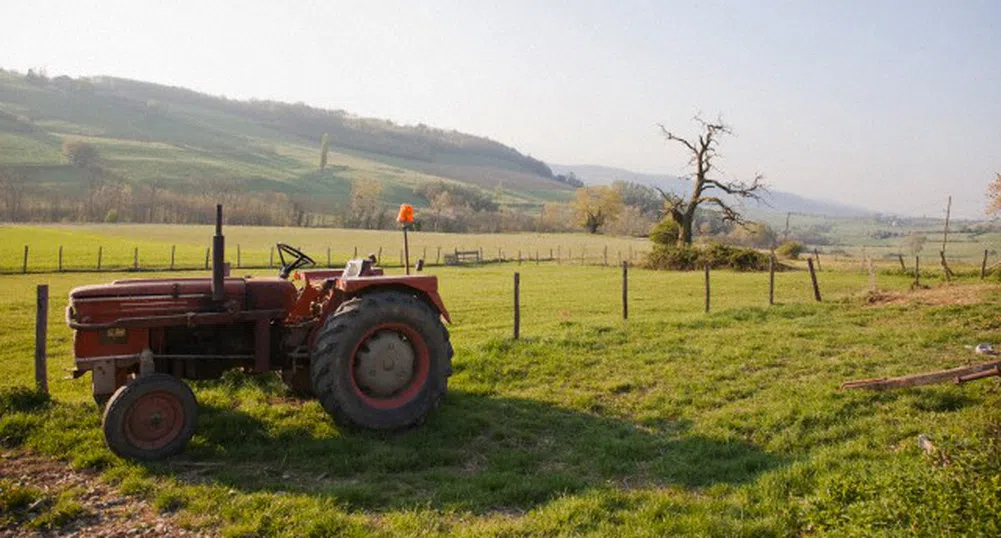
x=184, y=141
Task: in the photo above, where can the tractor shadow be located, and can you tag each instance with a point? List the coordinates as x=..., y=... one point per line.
x=476, y=452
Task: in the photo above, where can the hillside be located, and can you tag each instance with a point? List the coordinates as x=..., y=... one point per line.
x=185, y=141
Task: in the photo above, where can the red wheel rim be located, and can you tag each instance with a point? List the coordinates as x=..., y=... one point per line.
x=421, y=367
x=154, y=420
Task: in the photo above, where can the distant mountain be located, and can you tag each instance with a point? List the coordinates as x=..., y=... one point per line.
x=774, y=201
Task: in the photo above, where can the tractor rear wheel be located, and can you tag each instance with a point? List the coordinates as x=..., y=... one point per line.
x=150, y=418
x=381, y=361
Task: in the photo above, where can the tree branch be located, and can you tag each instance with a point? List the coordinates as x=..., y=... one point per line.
x=752, y=190
x=729, y=214
x=670, y=136
x=673, y=203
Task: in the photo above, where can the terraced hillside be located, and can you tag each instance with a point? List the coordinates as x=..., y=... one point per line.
x=183, y=140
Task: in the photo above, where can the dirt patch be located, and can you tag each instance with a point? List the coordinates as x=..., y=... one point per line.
x=943, y=295
x=101, y=510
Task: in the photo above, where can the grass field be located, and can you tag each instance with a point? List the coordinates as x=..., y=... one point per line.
x=117, y=243
x=677, y=422
x=81, y=243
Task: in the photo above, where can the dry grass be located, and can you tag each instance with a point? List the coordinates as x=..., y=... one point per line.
x=937, y=296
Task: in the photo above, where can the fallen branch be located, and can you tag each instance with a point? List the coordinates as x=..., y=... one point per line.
x=957, y=375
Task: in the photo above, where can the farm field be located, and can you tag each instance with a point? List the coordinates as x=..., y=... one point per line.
x=676, y=422
x=118, y=243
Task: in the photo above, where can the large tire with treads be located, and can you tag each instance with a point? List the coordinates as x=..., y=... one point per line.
x=381, y=361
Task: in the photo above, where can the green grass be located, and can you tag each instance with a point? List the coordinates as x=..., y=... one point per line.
x=675, y=422
x=118, y=243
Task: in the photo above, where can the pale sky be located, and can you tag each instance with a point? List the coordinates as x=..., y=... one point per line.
x=891, y=105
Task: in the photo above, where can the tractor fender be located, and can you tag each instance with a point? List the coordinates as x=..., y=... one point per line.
x=426, y=287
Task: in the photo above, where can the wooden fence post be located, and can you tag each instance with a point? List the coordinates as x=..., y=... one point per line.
x=519, y=257
x=557, y=255
x=983, y=266
x=355, y=257
x=536, y=256
x=625, y=290
x=328, y=257
x=207, y=258
x=550, y=254
x=945, y=266
x=239, y=259
x=100, y=250
x=24, y=267
x=41, y=330
x=707, y=287
x=172, y=247
x=917, y=271
x=135, y=258
x=813, y=279
x=816, y=254
x=771, y=279
x=379, y=256
x=424, y=254
x=60, y=258
x=437, y=258
x=517, y=305
x=480, y=259
x=903, y=267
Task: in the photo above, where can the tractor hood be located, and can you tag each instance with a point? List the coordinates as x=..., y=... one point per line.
x=140, y=298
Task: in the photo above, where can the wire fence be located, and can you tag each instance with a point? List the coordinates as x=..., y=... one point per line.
x=61, y=258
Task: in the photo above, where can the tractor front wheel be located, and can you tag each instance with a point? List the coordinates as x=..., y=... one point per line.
x=150, y=418
x=382, y=361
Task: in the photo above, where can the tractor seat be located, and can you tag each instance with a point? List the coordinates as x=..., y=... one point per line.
x=270, y=294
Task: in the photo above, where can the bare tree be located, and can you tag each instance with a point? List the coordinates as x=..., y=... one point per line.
x=707, y=187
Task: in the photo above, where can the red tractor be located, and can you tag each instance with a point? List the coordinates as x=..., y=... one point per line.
x=371, y=347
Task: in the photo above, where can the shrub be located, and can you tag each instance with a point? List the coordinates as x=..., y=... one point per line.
x=672, y=257
x=80, y=153
x=789, y=250
x=717, y=255
x=665, y=232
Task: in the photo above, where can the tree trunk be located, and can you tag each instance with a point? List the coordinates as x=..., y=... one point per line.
x=685, y=228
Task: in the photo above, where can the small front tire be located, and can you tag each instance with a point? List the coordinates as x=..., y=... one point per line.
x=150, y=418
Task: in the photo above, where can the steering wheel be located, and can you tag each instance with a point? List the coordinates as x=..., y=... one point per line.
x=299, y=260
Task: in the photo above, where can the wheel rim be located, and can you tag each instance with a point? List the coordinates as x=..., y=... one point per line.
x=389, y=365
x=154, y=420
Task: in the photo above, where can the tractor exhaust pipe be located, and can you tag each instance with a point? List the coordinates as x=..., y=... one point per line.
x=218, y=256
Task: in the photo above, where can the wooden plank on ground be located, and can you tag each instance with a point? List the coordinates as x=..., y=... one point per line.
x=926, y=378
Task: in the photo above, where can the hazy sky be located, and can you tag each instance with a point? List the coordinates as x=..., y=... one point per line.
x=887, y=104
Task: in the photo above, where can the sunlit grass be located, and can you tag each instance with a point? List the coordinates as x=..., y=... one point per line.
x=673, y=422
